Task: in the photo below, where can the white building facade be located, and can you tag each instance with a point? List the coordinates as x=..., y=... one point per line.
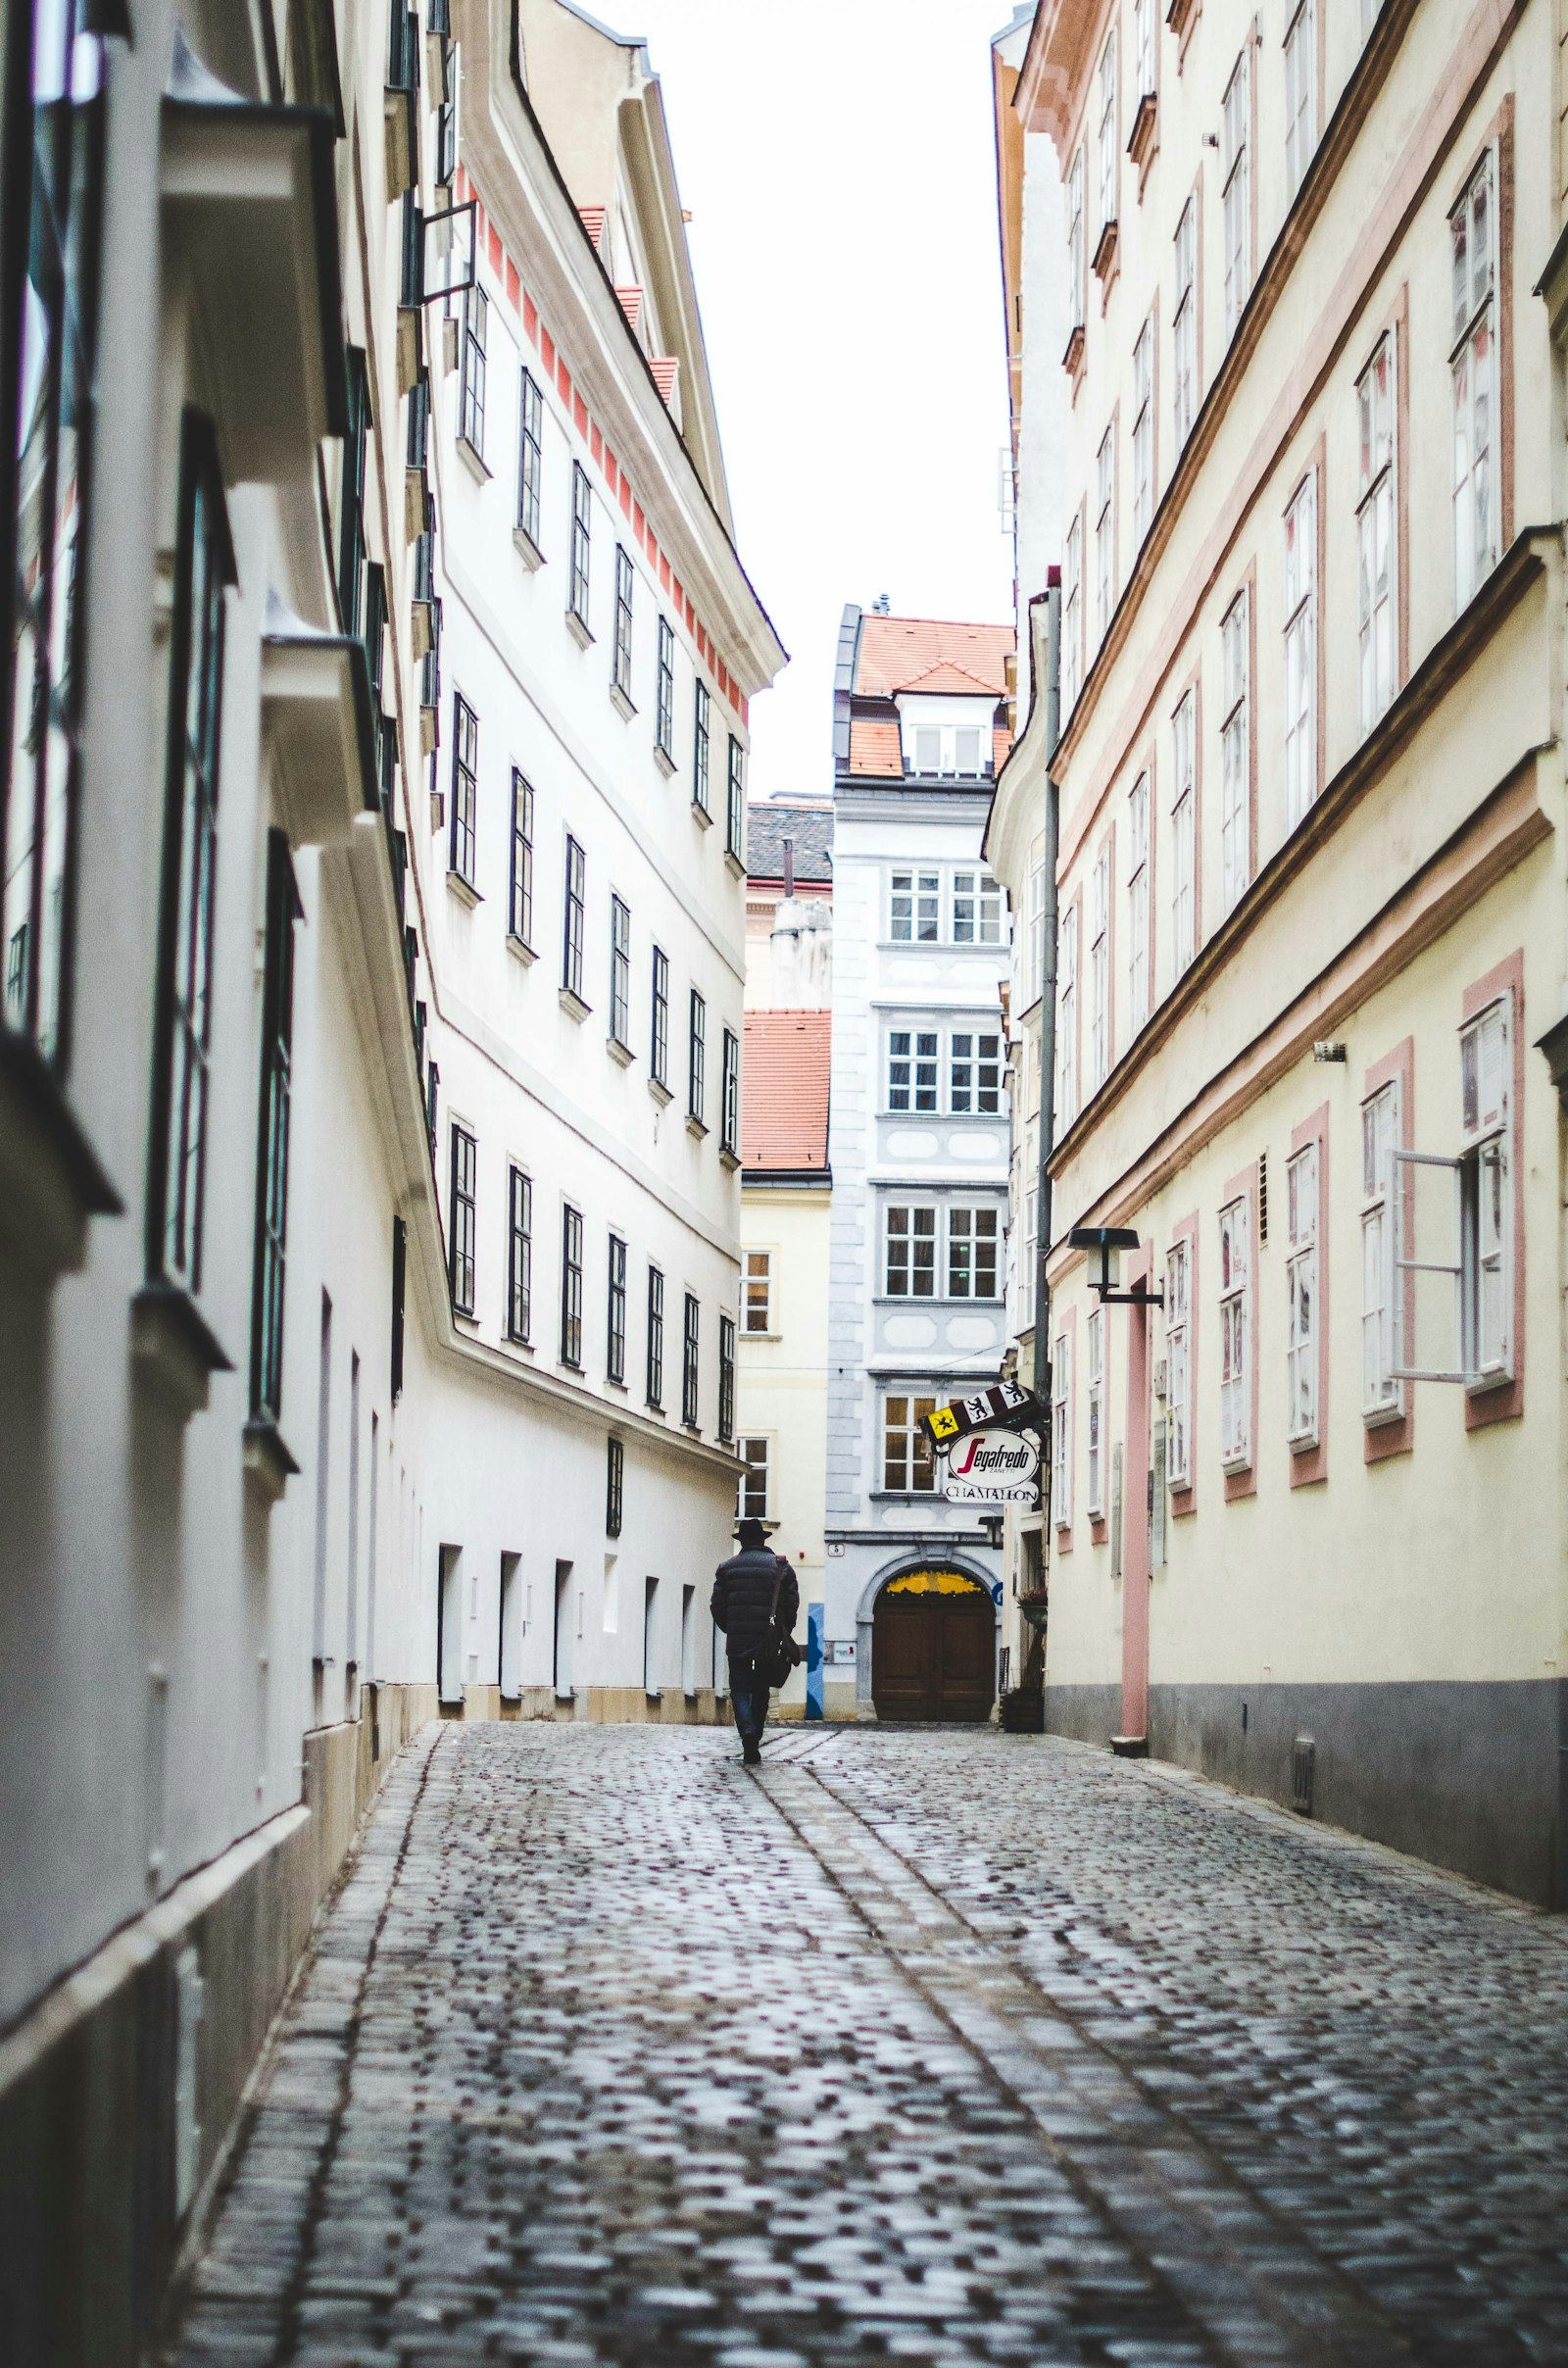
x=918, y=1150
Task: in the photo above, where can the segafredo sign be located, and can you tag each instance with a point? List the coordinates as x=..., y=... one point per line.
x=993, y=1468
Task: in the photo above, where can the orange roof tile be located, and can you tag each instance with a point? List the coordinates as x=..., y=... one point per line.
x=875, y=748
x=947, y=677
x=784, y=1104
x=1000, y=747
x=897, y=651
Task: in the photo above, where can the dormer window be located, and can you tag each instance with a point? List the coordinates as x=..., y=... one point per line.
x=947, y=751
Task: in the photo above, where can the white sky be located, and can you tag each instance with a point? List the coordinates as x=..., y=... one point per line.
x=837, y=160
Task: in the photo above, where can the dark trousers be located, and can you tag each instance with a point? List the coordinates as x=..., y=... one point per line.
x=748, y=1695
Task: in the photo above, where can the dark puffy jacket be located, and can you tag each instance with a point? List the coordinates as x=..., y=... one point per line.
x=743, y=1590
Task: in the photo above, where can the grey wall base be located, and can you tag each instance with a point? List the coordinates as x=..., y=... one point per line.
x=1467, y=1775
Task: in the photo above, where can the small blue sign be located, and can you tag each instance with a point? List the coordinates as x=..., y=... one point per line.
x=814, y=1659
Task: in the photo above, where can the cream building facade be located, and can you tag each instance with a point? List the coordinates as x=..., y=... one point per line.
x=1310, y=952
x=281, y=1482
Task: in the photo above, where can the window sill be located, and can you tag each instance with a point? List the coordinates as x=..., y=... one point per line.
x=268, y=1466
x=1307, y=1445
x=50, y=1180
x=518, y=1345
x=694, y=1128
x=413, y=500
x=571, y=1002
x=1234, y=1466
x=700, y=815
x=469, y=452
x=528, y=549
x=466, y=1318
x=621, y=701
x=906, y=1496
x=660, y=1092
x=654, y=1408
x=568, y=1365
x=577, y=627
x=462, y=888
x=941, y=1298
x=693, y=1430
x=665, y=761
x=175, y=1351
x=728, y=1157
x=1141, y=139
x=618, y=1051
x=736, y=863
x=519, y=948
x=1102, y=261
x=613, y=1382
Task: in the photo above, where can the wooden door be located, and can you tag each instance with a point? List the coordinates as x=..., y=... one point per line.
x=933, y=1648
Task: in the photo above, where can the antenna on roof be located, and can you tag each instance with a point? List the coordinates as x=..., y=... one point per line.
x=882, y=606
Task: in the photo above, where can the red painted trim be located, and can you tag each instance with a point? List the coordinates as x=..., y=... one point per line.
x=1381, y=1441
x=1184, y=1500
x=513, y=285
x=1309, y=1464
x=1506, y=1402
x=496, y=259
x=1242, y=1480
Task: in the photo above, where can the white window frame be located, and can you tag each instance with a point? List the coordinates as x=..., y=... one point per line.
x=1072, y=615
x=1301, y=651
x=909, y=1226
x=1179, y=1364
x=981, y=924
x=1066, y=1017
x=1184, y=326
x=752, y=1464
x=1235, y=753
x=915, y=1449
x=1184, y=835
x=1100, y=967
x=1105, y=534
x=1236, y=1333
x=757, y=1294
x=1236, y=174
x=1028, y=1256
x=1382, y=1307
x=1062, y=1433
x=922, y=1053
x=1144, y=40
x=1302, y=1312
x=1300, y=94
x=1109, y=147
x=1077, y=242
x=1484, y=1245
x=1094, y=1414
x=977, y=1223
x=1473, y=227
x=985, y=1071
x=1144, y=431
x=1035, y=942
x=915, y=899
x=1377, y=530
x=1138, y=904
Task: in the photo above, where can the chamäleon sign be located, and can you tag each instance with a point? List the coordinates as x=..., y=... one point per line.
x=993, y=1468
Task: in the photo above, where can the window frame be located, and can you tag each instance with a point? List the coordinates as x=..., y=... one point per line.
x=580, y=582
x=616, y=1310
x=913, y=1455
x=1139, y=811
x=1301, y=95
x=463, y=1213
x=1184, y=834
x=1236, y=1330
x=269, y=1275
x=622, y=646
x=1234, y=744
x=1144, y=431
x=519, y=1252
x=1077, y=241
x=735, y=803
x=1072, y=615
x=1094, y=1414
x=1302, y=1303
x=519, y=916
x=619, y=971
x=691, y=1362
x=729, y=1137
x=472, y=380
x=659, y=1021
x=1108, y=146
x=696, y=1058
x=902, y=1237
x=702, y=748
x=1475, y=375
x=1105, y=531
x=1099, y=1019
x=1183, y=325
x=1236, y=187
x=1377, y=521
x=574, y=918
x=463, y=825
x=747, y=1507
x=664, y=699
x=924, y=899
x=753, y=1302
x=530, y=457
x=979, y=1225
x=1062, y=1433
x=653, y=1358
x=1179, y=1265
x=726, y=1380
x=572, y=1279
x=1066, y=1079
x=1301, y=651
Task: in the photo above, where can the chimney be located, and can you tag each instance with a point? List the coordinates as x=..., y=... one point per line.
x=789, y=868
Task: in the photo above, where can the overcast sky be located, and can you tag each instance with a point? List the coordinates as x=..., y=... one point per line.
x=838, y=161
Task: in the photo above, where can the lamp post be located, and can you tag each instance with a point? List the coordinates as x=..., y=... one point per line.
x=1105, y=1246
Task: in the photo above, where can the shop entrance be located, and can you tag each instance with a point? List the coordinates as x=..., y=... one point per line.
x=934, y=1648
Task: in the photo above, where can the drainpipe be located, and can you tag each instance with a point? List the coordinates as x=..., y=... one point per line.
x=1045, y=661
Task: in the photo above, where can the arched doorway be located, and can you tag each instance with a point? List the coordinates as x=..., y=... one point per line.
x=934, y=1646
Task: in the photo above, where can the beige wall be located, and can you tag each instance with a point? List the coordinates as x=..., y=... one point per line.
x=782, y=1384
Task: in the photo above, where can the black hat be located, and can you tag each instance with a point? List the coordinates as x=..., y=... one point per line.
x=751, y=1532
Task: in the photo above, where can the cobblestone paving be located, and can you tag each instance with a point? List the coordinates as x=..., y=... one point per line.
x=927, y=2044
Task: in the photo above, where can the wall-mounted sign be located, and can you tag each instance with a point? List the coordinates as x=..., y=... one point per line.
x=1002, y=1406
x=993, y=1468
x=840, y=1652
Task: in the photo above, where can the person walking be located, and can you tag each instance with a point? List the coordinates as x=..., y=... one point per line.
x=756, y=1598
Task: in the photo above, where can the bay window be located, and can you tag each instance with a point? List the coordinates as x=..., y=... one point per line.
x=975, y=1073
x=909, y=1254
x=914, y=908
x=912, y=1070
x=754, y=1496
x=973, y=1244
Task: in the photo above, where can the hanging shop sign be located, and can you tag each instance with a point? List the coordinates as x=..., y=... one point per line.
x=993, y=1468
x=1004, y=1407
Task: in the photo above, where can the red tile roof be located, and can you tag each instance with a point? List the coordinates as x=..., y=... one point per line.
x=784, y=1104
x=875, y=748
x=946, y=677
x=1001, y=746
x=896, y=652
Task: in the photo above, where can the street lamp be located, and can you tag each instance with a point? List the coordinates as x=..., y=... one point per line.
x=1109, y=1241
x=991, y=1524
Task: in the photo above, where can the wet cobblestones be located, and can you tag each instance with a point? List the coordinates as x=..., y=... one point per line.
x=927, y=2046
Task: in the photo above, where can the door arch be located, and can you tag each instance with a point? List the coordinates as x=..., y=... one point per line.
x=934, y=1646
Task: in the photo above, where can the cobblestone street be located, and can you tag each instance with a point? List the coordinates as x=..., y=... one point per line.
x=932, y=2046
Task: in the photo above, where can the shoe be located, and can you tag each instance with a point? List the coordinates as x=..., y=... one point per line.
x=751, y=1754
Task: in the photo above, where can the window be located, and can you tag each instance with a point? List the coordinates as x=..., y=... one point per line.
x=1035, y=943
x=1237, y=196
x=726, y=1378
x=695, y=1057
x=664, y=704
x=913, y=1069
x=909, y=1466
x=949, y=752
x=1143, y=48
x=1382, y=1393
x=1142, y=430
x=1100, y=968
x=975, y=1073
x=620, y=669
x=1235, y=1329
x=700, y=749
x=1235, y=756
x=531, y=459
x=400, y=1268
x=1107, y=148
x=1105, y=534
x=910, y=1261
x=1178, y=1365
x=1066, y=1017
x=1376, y=573
x=1486, y=1199
x=571, y=1286
x=619, y=972
x=1137, y=903
x=1028, y=1256
x=460, y=1245
x=690, y=1364
x=976, y=909
x=1094, y=1414
x=914, y=905
x=756, y=1290
x=1062, y=1433
x=658, y=1046
x=735, y=803
x=521, y=917
x=614, y=1486
x=519, y=1254
x=576, y=919
x=464, y=788
x=1073, y=616
x=470, y=398
x=284, y=910
x=1300, y=94
x=1300, y=651
x=53, y=181
x=755, y=1493
x=656, y=1339
x=616, y=1312
x=203, y=566
x=350, y=497
x=1184, y=326
x=581, y=543
x=973, y=1243
x=730, y=1118
x=1300, y=1288
x=1077, y=244
x=1184, y=838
